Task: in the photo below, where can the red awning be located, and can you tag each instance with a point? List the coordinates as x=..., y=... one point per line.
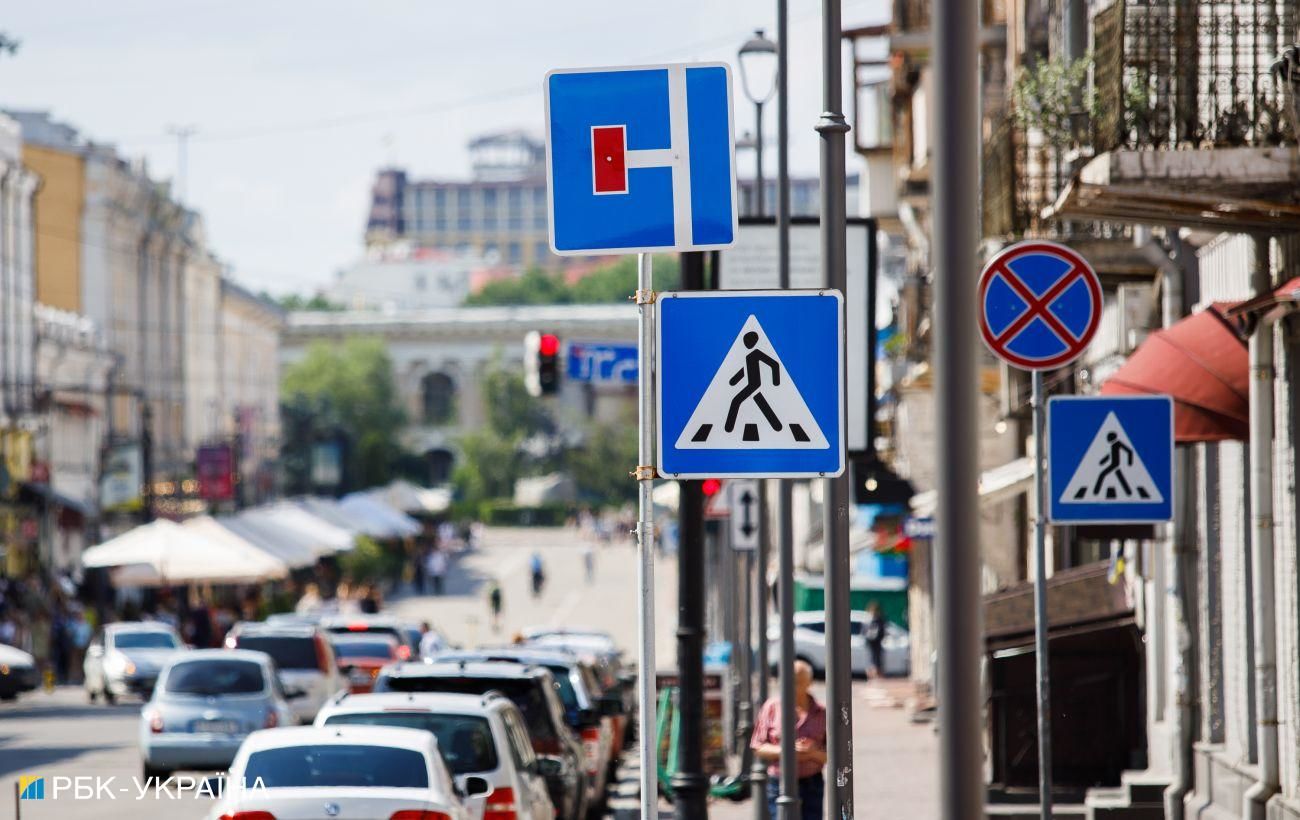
x=1201, y=362
x=1273, y=305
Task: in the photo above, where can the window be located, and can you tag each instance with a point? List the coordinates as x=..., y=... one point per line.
x=814, y=626
x=515, y=208
x=521, y=748
x=215, y=678
x=489, y=209
x=144, y=640
x=542, y=254
x=539, y=207
x=514, y=253
x=464, y=217
x=524, y=693
x=464, y=740
x=437, y=398
x=440, y=209
x=375, y=767
x=287, y=652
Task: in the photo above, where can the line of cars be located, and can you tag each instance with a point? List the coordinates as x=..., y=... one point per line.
x=514, y=733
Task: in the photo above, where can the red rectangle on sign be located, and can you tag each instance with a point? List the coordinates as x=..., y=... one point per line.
x=609, y=159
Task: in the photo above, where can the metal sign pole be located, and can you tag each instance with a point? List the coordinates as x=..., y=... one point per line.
x=645, y=539
x=758, y=772
x=1040, y=600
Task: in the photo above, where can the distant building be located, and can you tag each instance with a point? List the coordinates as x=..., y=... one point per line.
x=399, y=276
x=805, y=195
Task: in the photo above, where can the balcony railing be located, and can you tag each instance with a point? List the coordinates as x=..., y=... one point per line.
x=1190, y=73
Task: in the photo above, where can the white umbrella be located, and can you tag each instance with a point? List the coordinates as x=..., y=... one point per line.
x=163, y=553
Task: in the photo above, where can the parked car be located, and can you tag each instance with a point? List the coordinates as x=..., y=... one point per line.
x=586, y=711
x=533, y=690
x=18, y=672
x=407, y=635
x=345, y=772
x=810, y=644
x=478, y=735
x=206, y=702
x=304, y=658
x=125, y=659
x=360, y=657
x=598, y=648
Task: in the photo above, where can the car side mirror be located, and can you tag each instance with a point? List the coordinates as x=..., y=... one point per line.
x=476, y=786
x=549, y=767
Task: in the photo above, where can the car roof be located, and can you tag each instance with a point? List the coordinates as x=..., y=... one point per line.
x=467, y=669
x=222, y=655
x=140, y=626
x=277, y=630
x=415, y=701
x=331, y=621
x=526, y=655
x=569, y=631
x=392, y=736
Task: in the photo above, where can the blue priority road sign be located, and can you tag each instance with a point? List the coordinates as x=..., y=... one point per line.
x=1110, y=459
x=750, y=384
x=640, y=159
x=602, y=362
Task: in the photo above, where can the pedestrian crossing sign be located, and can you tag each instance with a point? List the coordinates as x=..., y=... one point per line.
x=750, y=384
x=1110, y=459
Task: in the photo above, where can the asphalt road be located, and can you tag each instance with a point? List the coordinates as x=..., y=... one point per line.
x=60, y=735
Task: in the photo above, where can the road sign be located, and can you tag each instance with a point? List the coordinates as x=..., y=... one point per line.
x=744, y=514
x=1110, y=459
x=752, y=265
x=640, y=159
x=602, y=362
x=1039, y=305
x=750, y=384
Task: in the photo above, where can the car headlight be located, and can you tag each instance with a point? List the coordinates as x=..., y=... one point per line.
x=118, y=664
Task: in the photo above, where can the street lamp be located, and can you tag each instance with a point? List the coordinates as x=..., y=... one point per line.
x=758, y=76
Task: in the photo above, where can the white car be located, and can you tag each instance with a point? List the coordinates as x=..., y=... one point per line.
x=810, y=643
x=125, y=658
x=343, y=772
x=304, y=658
x=483, y=736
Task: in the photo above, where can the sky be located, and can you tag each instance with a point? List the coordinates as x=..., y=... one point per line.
x=295, y=104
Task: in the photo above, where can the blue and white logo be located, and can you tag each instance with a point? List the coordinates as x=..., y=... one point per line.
x=750, y=384
x=640, y=159
x=1110, y=459
x=602, y=362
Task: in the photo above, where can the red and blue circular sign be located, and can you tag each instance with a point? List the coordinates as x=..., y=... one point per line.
x=1040, y=304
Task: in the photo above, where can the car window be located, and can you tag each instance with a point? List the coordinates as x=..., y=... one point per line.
x=216, y=677
x=814, y=626
x=338, y=765
x=857, y=627
x=364, y=649
x=464, y=740
x=520, y=746
x=564, y=687
x=524, y=693
x=287, y=652
x=144, y=640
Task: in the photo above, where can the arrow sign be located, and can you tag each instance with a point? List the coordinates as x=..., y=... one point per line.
x=744, y=514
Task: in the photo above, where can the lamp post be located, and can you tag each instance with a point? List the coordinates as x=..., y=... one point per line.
x=758, y=76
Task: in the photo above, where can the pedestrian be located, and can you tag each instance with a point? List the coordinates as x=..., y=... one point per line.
x=368, y=600
x=538, y=571
x=494, y=603
x=81, y=631
x=437, y=569
x=420, y=560
x=875, y=637
x=809, y=745
x=589, y=562
x=431, y=641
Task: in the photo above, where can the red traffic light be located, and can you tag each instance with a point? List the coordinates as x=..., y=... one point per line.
x=711, y=487
x=549, y=344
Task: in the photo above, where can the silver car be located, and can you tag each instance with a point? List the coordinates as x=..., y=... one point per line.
x=125, y=659
x=205, y=704
x=810, y=644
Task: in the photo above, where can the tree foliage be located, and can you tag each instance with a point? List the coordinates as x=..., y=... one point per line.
x=296, y=301
x=614, y=282
x=345, y=390
x=600, y=466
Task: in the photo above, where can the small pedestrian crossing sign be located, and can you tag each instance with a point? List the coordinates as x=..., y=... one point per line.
x=750, y=384
x=1110, y=459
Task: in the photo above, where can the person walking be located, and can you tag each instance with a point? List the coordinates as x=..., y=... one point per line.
x=809, y=745
x=589, y=562
x=538, y=571
x=437, y=569
x=875, y=637
x=494, y=604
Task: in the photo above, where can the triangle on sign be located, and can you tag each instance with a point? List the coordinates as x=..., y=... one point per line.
x=1111, y=471
x=752, y=403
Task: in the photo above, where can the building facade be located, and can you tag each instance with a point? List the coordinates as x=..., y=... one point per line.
x=249, y=366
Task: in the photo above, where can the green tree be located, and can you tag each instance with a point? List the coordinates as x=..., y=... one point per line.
x=347, y=387
x=296, y=301
x=601, y=465
x=517, y=440
x=535, y=287
x=614, y=282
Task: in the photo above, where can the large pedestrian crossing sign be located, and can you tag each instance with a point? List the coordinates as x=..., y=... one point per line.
x=1110, y=459
x=640, y=159
x=750, y=384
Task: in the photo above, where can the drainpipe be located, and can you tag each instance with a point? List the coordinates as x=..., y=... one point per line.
x=1177, y=556
x=1261, y=547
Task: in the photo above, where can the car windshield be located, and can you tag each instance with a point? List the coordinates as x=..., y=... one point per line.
x=525, y=693
x=215, y=677
x=379, y=767
x=364, y=649
x=288, y=652
x=144, y=640
x=464, y=740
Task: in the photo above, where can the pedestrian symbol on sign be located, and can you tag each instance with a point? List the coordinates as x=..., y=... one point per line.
x=1111, y=472
x=742, y=409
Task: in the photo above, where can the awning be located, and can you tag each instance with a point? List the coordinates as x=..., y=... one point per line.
x=408, y=498
x=325, y=536
x=379, y=519
x=270, y=539
x=162, y=552
x=996, y=484
x=1282, y=300
x=1201, y=362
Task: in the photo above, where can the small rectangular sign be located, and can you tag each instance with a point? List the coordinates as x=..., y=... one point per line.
x=744, y=514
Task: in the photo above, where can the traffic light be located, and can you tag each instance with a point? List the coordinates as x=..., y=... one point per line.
x=711, y=486
x=542, y=363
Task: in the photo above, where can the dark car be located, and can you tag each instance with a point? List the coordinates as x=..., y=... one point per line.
x=17, y=672
x=587, y=711
x=406, y=635
x=533, y=690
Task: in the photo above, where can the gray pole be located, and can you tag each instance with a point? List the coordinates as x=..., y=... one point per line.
x=758, y=771
x=787, y=802
x=839, y=661
x=645, y=542
x=759, y=186
x=955, y=239
x=1041, y=651
x=743, y=652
